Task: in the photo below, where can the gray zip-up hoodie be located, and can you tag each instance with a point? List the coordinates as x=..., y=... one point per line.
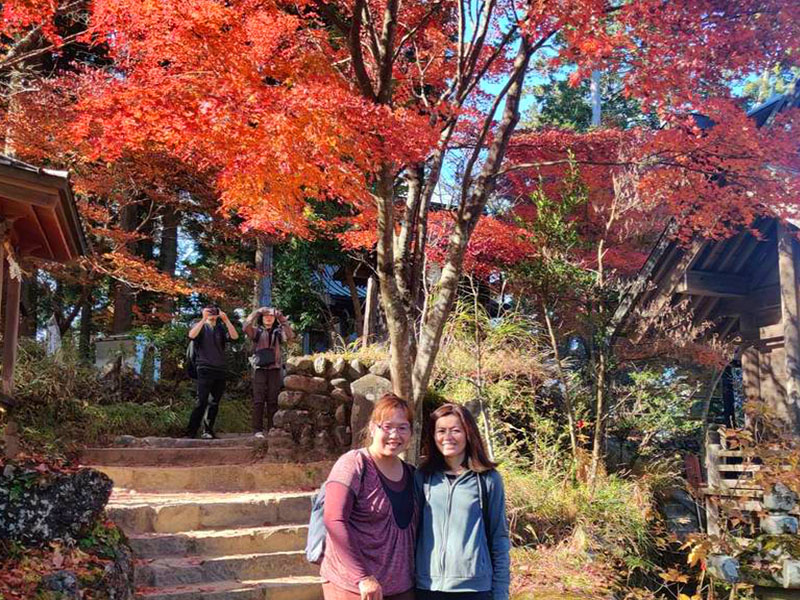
x=453, y=553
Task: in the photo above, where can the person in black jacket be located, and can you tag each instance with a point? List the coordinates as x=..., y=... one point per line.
x=210, y=334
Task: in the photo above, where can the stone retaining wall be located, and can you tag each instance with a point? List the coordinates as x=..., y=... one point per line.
x=322, y=403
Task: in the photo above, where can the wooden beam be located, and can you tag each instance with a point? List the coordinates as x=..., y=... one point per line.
x=787, y=264
x=637, y=289
x=718, y=285
x=17, y=193
x=757, y=300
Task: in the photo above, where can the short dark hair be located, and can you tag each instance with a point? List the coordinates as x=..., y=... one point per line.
x=477, y=458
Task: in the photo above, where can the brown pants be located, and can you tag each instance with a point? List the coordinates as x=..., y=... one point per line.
x=332, y=592
x=266, y=386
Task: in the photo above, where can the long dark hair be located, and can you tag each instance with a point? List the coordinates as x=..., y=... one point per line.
x=477, y=459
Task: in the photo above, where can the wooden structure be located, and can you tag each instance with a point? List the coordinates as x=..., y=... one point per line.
x=743, y=289
x=38, y=220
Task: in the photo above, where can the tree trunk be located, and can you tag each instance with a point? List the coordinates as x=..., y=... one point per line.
x=358, y=316
x=570, y=410
x=30, y=304
x=475, y=194
x=168, y=250
x=167, y=263
x=401, y=350
x=262, y=290
x=597, y=114
x=599, y=443
x=370, y=312
x=123, y=293
x=85, y=339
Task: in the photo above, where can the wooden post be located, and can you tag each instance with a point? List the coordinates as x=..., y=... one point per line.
x=787, y=266
x=11, y=335
x=370, y=310
x=714, y=485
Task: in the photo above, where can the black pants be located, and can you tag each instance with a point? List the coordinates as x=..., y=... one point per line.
x=209, y=394
x=266, y=387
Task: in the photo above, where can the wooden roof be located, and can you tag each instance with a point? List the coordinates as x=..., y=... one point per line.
x=717, y=280
x=39, y=205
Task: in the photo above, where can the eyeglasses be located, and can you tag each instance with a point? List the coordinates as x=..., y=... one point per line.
x=398, y=429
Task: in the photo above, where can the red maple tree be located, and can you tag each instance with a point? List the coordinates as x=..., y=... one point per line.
x=343, y=101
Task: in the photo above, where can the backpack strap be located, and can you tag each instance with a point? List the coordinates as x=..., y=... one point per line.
x=426, y=487
x=483, y=495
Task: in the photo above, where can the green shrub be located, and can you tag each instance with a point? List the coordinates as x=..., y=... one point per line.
x=548, y=506
x=63, y=403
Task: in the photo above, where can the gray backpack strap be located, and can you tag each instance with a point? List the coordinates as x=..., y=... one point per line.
x=483, y=495
x=426, y=487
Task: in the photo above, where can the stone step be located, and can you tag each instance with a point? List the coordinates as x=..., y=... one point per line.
x=179, y=456
x=224, y=440
x=262, y=476
x=281, y=588
x=246, y=540
x=164, y=572
x=139, y=513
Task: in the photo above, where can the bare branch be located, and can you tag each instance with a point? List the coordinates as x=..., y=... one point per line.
x=354, y=39
x=386, y=45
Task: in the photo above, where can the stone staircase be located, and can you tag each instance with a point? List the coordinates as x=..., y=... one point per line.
x=210, y=520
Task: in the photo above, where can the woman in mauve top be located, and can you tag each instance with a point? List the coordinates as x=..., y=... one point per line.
x=370, y=515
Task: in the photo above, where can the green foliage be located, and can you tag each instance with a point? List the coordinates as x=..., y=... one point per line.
x=553, y=270
x=63, y=403
x=564, y=106
x=547, y=505
x=297, y=292
x=653, y=406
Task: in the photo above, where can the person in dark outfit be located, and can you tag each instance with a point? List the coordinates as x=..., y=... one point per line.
x=267, y=328
x=210, y=335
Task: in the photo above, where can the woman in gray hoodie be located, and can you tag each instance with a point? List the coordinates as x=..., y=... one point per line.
x=462, y=550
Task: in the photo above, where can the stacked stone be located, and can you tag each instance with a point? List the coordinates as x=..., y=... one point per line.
x=778, y=504
x=314, y=407
x=777, y=523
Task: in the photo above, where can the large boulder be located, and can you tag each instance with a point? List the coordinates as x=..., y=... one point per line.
x=38, y=506
x=355, y=369
x=381, y=369
x=300, y=365
x=780, y=499
x=319, y=403
x=340, y=383
x=779, y=524
x=342, y=414
x=302, y=383
x=290, y=400
x=321, y=366
x=338, y=368
x=366, y=392
x=340, y=397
